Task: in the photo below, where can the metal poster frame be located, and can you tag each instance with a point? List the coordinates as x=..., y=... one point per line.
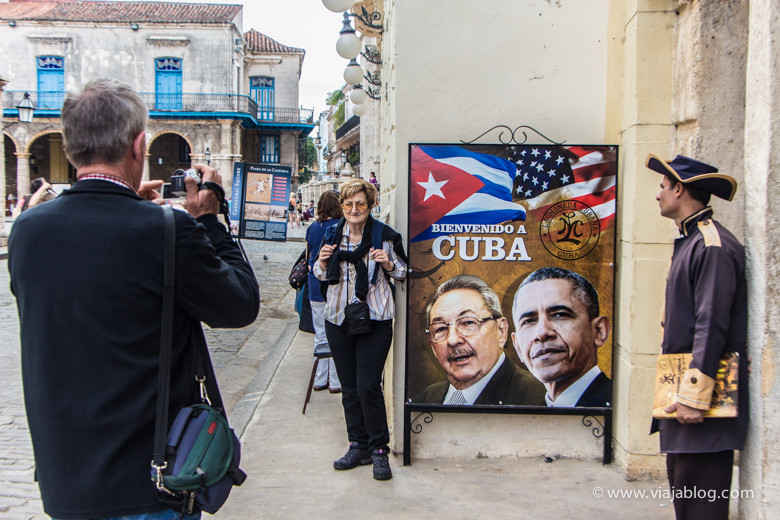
x=533, y=242
x=259, y=199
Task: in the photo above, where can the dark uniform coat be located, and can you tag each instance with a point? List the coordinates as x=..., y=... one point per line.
x=706, y=314
x=510, y=385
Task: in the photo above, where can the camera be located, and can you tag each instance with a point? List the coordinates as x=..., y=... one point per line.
x=177, y=181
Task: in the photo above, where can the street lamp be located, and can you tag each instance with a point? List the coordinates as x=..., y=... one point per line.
x=207, y=155
x=353, y=74
x=348, y=45
x=358, y=96
x=338, y=6
x=26, y=107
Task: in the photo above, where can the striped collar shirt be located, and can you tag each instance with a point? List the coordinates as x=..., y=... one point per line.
x=105, y=177
x=380, y=296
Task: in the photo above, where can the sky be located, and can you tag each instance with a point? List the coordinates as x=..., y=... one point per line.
x=305, y=24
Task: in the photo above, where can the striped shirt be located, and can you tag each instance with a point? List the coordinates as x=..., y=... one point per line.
x=380, y=297
x=105, y=177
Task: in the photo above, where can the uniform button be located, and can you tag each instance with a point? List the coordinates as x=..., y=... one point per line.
x=693, y=380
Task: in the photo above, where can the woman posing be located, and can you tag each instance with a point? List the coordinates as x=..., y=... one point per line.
x=356, y=262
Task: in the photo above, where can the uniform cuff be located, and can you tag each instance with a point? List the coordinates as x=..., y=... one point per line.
x=696, y=389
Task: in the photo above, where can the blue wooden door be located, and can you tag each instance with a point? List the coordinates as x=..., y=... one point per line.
x=168, y=84
x=51, y=82
x=261, y=89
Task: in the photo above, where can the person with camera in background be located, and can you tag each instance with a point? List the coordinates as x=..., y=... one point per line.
x=87, y=273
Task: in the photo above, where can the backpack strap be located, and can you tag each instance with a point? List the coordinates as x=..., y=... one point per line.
x=376, y=242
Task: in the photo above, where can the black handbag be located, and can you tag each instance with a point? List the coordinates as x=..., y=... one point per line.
x=300, y=272
x=195, y=466
x=358, y=318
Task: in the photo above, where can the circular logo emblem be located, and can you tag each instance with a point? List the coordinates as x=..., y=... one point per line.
x=570, y=229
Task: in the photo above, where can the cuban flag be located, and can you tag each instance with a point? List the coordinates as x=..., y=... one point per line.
x=453, y=185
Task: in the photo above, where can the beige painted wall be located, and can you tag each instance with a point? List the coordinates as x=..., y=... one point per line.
x=452, y=74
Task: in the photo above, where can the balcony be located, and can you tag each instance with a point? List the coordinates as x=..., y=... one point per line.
x=183, y=105
x=347, y=127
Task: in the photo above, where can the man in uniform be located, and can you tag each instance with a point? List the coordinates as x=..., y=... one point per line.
x=706, y=315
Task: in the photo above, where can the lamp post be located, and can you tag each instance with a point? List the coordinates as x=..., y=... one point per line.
x=26, y=109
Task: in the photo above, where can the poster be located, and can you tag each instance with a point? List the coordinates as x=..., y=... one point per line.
x=511, y=284
x=258, y=205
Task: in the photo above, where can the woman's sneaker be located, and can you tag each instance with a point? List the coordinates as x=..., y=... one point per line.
x=353, y=458
x=381, y=465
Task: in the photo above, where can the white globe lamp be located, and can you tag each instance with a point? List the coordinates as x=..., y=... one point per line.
x=338, y=6
x=358, y=96
x=353, y=74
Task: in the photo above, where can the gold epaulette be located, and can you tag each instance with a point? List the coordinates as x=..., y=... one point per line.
x=710, y=233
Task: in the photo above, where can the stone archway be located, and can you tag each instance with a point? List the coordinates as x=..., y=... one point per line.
x=167, y=152
x=47, y=159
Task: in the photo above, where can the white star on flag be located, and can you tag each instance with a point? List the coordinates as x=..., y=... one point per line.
x=565, y=179
x=432, y=187
x=559, y=160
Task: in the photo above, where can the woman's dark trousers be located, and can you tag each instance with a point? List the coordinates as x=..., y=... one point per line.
x=359, y=363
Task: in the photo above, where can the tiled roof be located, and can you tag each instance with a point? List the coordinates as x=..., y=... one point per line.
x=142, y=12
x=259, y=42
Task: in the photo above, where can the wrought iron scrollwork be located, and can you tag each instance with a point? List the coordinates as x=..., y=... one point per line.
x=373, y=93
x=375, y=78
x=368, y=19
x=372, y=54
x=418, y=427
x=512, y=139
x=597, y=431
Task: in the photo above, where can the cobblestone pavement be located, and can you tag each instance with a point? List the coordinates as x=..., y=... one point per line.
x=19, y=496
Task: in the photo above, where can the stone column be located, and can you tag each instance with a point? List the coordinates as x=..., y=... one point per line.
x=641, y=123
x=759, y=465
x=22, y=174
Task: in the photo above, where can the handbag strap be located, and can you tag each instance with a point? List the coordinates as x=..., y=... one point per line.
x=166, y=337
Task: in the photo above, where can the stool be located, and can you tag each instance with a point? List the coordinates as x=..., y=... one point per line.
x=321, y=351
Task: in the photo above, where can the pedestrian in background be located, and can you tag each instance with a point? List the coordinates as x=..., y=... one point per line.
x=356, y=269
x=87, y=273
x=328, y=214
x=705, y=314
x=40, y=192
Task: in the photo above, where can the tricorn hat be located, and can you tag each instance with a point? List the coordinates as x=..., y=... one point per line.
x=695, y=173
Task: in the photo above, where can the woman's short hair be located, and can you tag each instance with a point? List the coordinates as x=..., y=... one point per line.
x=101, y=121
x=328, y=206
x=354, y=186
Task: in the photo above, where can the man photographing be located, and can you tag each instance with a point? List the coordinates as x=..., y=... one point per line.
x=87, y=273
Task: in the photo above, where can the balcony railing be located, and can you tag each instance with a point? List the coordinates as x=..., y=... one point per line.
x=344, y=129
x=178, y=103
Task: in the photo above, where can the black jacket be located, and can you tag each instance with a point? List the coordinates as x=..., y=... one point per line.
x=87, y=273
x=510, y=385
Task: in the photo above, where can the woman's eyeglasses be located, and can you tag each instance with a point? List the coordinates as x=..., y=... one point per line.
x=360, y=205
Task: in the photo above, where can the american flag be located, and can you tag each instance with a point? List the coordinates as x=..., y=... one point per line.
x=550, y=174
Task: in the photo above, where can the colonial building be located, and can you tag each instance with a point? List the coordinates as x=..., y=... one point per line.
x=215, y=94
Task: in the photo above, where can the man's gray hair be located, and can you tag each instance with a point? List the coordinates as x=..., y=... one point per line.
x=473, y=283
x=100, y=122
